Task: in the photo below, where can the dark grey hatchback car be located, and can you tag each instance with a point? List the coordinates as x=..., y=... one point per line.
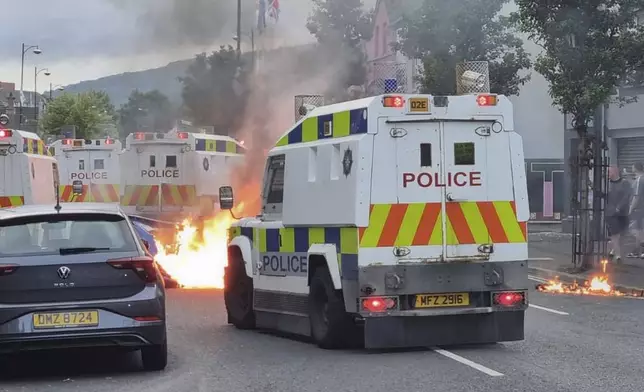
x=79, y=277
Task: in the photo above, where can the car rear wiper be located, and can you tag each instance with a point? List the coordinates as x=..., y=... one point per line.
x=86, y=249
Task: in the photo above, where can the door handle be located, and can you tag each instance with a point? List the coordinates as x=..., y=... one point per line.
x=449, y=197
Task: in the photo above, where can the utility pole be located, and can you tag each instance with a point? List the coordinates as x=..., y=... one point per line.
x=239, y=12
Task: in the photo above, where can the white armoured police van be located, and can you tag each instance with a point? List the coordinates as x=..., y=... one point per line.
x=175, y=172
x=28, y=174
x=94, y=162
x=393, y=221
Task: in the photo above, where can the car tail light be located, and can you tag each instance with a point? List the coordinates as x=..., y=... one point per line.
x=379, y=304
x=147, y=318
x=7, y=269
x=143, y=266
x=509, y=298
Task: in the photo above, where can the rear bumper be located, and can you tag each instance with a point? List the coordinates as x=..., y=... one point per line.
x=154, y=333
x=444, y=330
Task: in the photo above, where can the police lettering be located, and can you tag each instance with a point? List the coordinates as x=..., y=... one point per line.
x=427, y=180
x=287, y=264
x=89, y=176
x=158, y=173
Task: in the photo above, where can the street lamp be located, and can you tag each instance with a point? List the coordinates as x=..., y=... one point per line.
x=58, y=87
x=36, y=73
x=25, y=48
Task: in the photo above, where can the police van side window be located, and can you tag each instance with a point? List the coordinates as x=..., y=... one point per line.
x=153, y=161
x=99, y=164
x=275, y=192
x=425, y=154
x=170, y=161
x=81, y=164
x=464, y=153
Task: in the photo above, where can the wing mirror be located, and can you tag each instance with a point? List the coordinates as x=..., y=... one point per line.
x=77, y=187
x=226, y=198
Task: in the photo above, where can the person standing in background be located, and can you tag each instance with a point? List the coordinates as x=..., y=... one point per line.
x=617, y=209
x=636, y=212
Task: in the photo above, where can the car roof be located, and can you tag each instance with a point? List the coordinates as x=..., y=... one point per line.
x=67, y=208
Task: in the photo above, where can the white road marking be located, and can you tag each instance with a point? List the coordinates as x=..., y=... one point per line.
x=537, y=279
x=540, y=259
x=549, y=310
x=467, y=362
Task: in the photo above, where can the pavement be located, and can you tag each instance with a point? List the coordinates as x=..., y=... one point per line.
x=551, y=256
x=572, y=343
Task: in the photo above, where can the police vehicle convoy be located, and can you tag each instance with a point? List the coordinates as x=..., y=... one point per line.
x=28, y=174
x=175, y=174
x=94, y=162
x=389, y=221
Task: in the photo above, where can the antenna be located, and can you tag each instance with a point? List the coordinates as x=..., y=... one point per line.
x=58, y=207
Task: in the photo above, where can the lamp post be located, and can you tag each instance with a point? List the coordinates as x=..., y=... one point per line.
x=25, y=48
x=36, y=73
x=239, y=12
x=58, y=87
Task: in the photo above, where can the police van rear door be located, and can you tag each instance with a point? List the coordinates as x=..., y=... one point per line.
x=465, y=171
x=104, y=176
x=79, y=168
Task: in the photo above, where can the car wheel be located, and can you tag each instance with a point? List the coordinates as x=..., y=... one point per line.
x=238, y=295
x=155, y=357
x=331, y=326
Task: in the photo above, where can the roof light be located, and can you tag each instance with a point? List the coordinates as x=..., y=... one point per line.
x=109, y=141
x=393, y=101
x=182, y=135
x=139, y=136
x=78, y=143
x=67, y=141
x=5, y=133
x=486, y=100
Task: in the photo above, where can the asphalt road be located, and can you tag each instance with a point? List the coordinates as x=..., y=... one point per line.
x=572, y=344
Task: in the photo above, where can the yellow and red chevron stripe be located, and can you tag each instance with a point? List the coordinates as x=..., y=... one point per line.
x=140, y=195
x=420, y=224
x=11, y=201
x=98, y=193
x=178, y=195
x=34, y=146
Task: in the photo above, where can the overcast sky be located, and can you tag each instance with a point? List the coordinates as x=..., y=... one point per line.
x=87, y=39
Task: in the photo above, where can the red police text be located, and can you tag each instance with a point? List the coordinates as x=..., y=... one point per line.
x=168, y=173
x=427, y=180
x=102, y=175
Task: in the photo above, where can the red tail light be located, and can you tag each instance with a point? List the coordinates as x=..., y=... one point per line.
x=147, y=318
x=143, y=266
x=509, y=298
x=7, y=269
x=379, y=304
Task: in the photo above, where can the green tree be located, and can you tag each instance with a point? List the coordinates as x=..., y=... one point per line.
x=215, y=90
x=445, y=33
x=341, y=26
x=146, y=111
x=88, y=111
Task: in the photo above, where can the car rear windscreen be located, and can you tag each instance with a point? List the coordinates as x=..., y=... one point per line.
x=48, y=234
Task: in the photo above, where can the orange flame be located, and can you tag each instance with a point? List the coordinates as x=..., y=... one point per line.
x=598, y=285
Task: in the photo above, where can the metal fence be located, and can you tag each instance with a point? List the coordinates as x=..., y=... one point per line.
x=391, y=77
x=305, y=103
x=472, y=77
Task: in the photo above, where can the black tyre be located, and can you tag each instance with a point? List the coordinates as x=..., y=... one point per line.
x=238, y=295
x=331, y=326
x=155, y=357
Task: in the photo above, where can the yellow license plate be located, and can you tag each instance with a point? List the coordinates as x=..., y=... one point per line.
x=442, y=300
x=419, y=105
x=88, y=318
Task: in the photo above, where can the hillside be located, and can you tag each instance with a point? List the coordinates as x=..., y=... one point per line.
x=119, y=87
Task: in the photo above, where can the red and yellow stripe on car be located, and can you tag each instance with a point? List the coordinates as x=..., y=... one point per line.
x=140, y=195
x=98, y=193
x=178, y=195
x=421, y=224
x=11, y=201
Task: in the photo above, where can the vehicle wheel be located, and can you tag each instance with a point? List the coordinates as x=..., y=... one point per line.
x=238, y=296
x=155, y=357
x=331, y=326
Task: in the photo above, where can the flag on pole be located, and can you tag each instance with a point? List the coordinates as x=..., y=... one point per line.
x=274, y=9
